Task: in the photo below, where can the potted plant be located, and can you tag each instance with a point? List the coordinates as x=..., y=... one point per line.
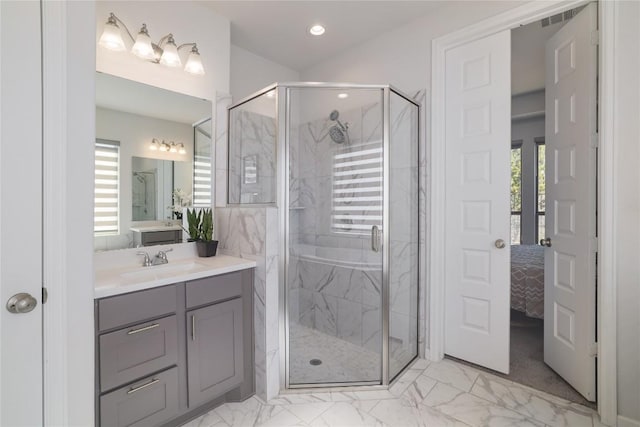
x=193, y=222
x=201, y=231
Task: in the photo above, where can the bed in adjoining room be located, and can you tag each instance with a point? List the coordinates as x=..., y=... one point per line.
x=527, y=280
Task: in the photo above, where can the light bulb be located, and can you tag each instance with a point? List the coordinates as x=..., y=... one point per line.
x=170, y=56
x=317, y=30
x=181, y=149
x=173, y=148
x=194, y=64
x=154, y=145
x=142, y=47
x=164, y=146
x=111, y=37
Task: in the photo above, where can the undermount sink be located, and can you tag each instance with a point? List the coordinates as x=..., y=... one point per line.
x=165, y=270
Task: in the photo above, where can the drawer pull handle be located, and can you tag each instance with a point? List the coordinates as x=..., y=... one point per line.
x=145, y=328
x=150, y=383
x=193, y=328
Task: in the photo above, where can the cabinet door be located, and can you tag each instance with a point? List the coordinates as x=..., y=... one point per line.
x=146, y=403
x=214, y=350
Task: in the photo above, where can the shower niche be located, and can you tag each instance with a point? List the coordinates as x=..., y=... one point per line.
x=341, y=163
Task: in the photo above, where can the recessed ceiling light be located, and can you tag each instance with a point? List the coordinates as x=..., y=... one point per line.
x=343, y=95
x=317, y=30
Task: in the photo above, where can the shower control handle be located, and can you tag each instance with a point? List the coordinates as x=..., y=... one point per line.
x=375, y=239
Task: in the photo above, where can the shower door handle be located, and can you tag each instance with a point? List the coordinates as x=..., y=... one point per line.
x=375, y=239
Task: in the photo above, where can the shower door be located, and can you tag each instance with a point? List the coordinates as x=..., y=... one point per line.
x=334, y=223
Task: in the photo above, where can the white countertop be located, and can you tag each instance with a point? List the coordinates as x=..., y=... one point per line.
x=116, y=281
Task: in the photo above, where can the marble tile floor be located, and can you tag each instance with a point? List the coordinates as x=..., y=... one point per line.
x=428, y=394
x=342, y=361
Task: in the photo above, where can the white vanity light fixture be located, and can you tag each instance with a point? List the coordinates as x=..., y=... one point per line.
x=163, y=146
x=165, y=52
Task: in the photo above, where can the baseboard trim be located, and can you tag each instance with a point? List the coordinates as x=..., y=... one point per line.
x=627, y=422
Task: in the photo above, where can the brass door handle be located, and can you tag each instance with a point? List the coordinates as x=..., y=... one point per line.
x=545, y=242
x=500, y=244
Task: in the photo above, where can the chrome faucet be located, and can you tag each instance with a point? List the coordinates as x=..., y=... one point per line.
x=147, y=261
x=161, y=257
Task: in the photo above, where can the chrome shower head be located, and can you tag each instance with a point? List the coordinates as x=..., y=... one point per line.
x=337, y=135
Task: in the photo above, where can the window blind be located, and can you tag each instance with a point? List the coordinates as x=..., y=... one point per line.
x=202, y=168
x=107, y=160
x=357, y=189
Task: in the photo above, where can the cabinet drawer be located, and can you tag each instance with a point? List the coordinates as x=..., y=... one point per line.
x=137, y=351
x=148, y=402
x=213, y=289
x=159, y=237
x=136, y=307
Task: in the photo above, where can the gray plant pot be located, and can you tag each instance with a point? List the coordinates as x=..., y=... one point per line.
x=207, y=249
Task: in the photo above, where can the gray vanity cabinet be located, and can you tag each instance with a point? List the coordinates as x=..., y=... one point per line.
x=167, y=354
x=214, y=350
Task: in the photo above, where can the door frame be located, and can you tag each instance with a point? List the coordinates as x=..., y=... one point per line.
x=68, y=114
x=606, y=270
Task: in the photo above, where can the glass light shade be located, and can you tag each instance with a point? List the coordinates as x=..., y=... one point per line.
x=181, y=149
x=194, y=64
x=111, y=37
x=164, y=147
x=173, y=148
x=154, y=145
x=170, y=56
x=142, y=47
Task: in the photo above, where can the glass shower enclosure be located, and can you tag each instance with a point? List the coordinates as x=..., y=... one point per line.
x=341, y=162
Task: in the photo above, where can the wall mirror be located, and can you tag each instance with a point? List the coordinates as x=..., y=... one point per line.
x=153, y=157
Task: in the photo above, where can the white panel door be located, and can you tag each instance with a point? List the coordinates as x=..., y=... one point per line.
x=478, y=142
x=20, y=212
x=570, y=291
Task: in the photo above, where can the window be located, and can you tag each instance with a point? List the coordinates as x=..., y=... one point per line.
x=516, y=194
x=202, y=164
x=106, y=198
x=540, y=202
x=357, y=189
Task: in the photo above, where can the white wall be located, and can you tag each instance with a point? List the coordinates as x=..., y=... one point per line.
x=627, y=208
x=134, y=132
x=402, y=57
x=251, y=72
x=188, y=22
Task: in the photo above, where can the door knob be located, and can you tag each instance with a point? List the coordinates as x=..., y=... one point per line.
x=500, y=244
x=21, y=303
x=545, y=242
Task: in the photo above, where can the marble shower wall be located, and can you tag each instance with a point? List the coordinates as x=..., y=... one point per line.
x=252, y=233
x=340, y=301
x=253, y=144
x=311, y=166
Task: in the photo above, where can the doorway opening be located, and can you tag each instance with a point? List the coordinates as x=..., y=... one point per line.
x=528, y=210
x=529, y=303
